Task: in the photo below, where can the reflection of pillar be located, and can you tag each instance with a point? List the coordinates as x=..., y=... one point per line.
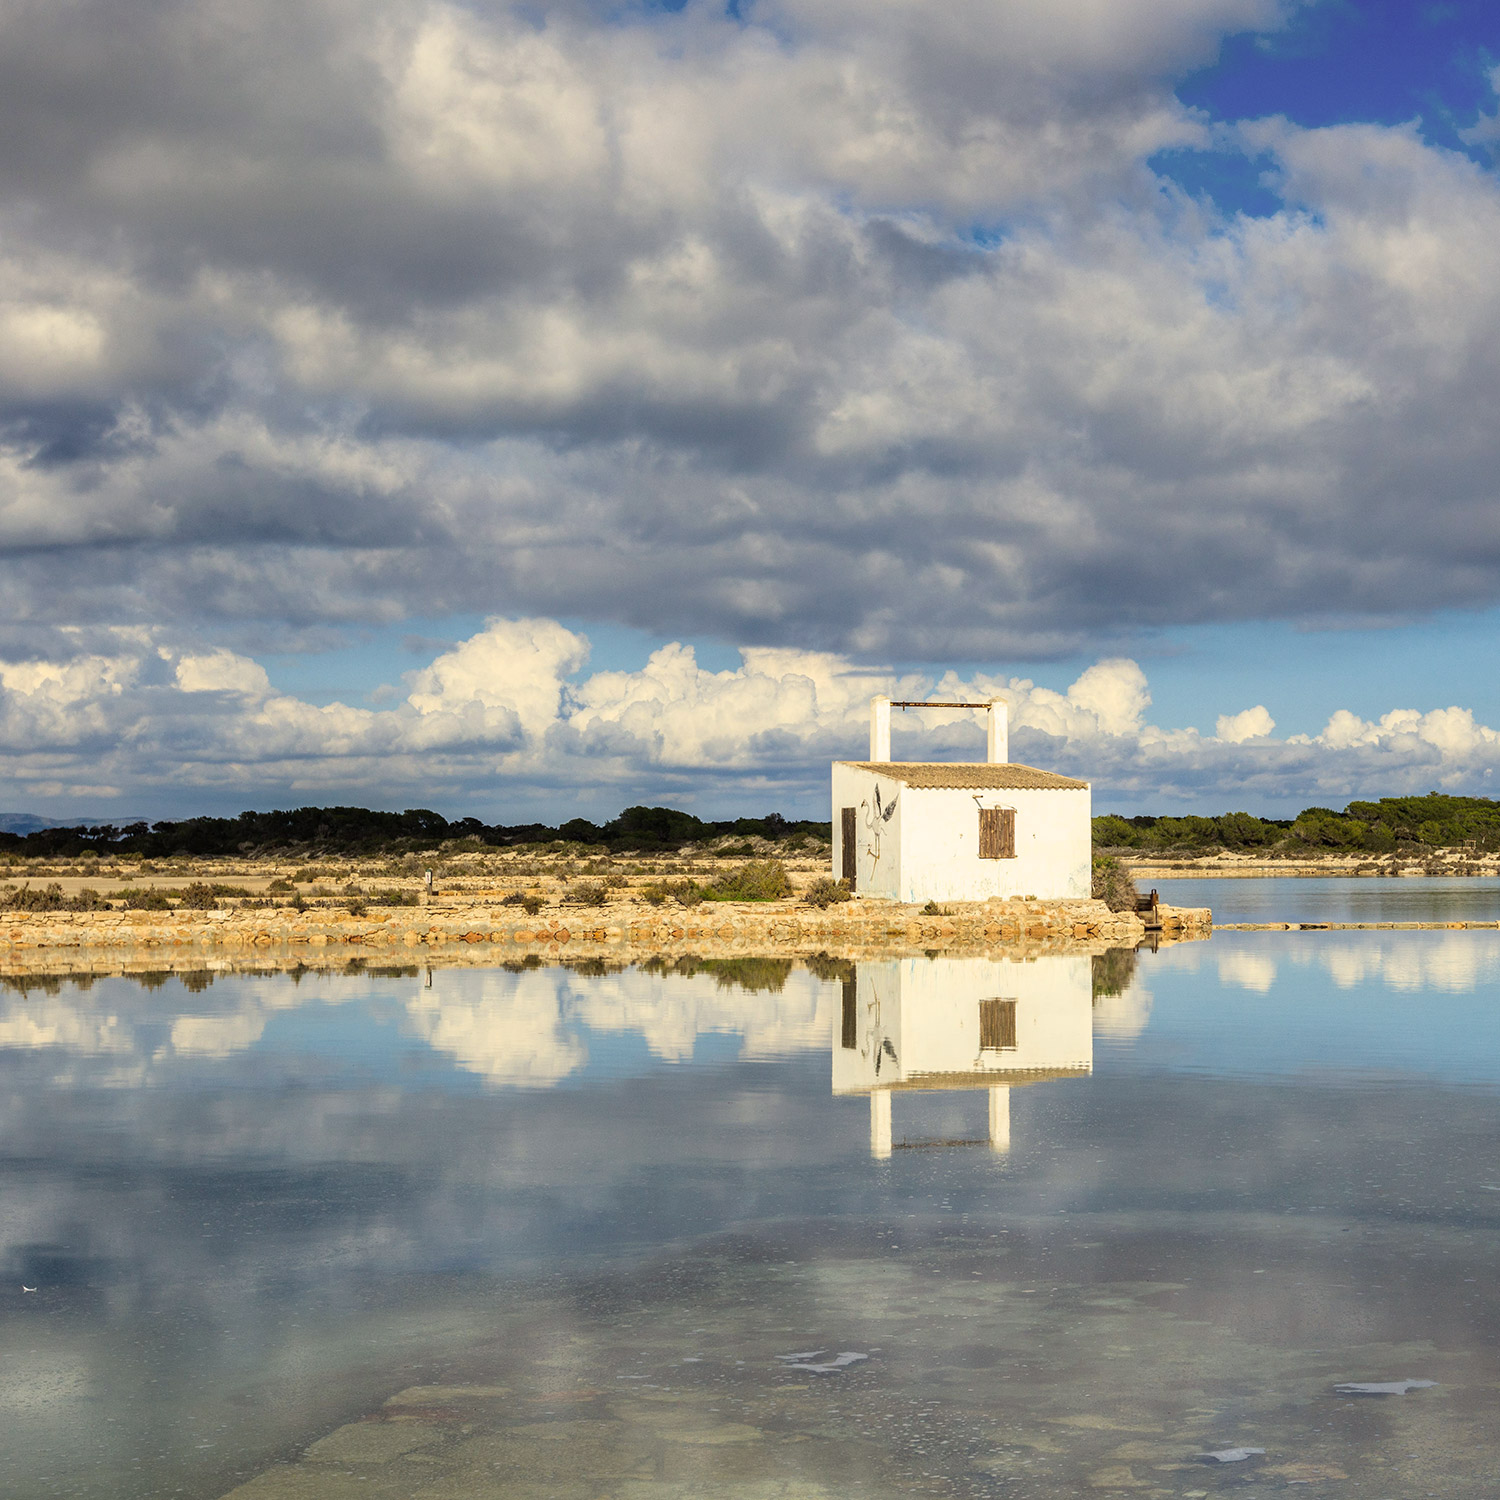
x=999, y=1119
x=880, y=729
x=880, y=1123
x=999, y=732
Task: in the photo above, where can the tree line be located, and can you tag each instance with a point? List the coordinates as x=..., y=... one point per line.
x=361, y=831
x=1434, y=821
x=1383, y=827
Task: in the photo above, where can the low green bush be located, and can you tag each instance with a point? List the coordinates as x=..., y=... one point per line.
x=50, y=898
x=755, y=880
x=1112, y=884
x=825, y=892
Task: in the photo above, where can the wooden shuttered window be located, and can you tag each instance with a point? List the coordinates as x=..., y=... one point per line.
x=997, y=1025
x=997, y=833
x=847, y=826
x=850, y=1017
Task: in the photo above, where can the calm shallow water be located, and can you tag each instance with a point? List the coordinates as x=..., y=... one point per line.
x=1337, y=898
x=1128, y=1229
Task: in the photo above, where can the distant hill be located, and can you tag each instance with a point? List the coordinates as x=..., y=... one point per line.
x=31, y=823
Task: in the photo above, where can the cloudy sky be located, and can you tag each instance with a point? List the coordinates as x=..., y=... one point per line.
x=530, y=409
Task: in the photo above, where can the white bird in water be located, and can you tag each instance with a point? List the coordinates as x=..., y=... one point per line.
x=26, y=1288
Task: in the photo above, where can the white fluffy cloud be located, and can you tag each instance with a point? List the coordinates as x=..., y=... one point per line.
x=868, y=327
x=510, y=724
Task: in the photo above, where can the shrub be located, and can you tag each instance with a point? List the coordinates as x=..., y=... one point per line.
x=684, y=892
x=531, y=904
x=756, y=880
x=49, y=898
x=199, y=897
x=357, y=908
x=395, y=898
x=825, y=892
x=281, y=886
x=1112, y=884
x=147, y=901
x=932, y=909
x=587, y=893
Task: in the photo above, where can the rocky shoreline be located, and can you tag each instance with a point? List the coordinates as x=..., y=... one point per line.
x=488, y=934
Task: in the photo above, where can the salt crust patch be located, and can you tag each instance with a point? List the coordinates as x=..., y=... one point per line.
x=438, y=1395
x=373, y=1442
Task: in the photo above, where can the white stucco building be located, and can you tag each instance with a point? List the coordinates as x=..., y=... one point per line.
x=920, y=1024
x=958, y=830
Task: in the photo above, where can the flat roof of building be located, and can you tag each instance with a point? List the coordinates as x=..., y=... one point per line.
x=966, y=775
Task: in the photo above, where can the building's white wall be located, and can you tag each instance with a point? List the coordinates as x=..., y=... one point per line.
x=920, y=1016
x=939, y=857
x=877, y=838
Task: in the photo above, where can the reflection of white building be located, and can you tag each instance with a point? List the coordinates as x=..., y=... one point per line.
x=961, y=1023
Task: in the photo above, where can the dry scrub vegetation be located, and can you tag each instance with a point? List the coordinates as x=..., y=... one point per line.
x=533, y=878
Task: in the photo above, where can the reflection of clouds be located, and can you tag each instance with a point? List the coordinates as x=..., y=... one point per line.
x=217, y=1036
x=1250, y=971
x=1456, y=963
x=34, y=1383
x=121, y=1019
x=58, y=1021
x=671, y=1011
x=530, y=1030
x=1123, y=1017
x=527, y=1029
x=512, y=1031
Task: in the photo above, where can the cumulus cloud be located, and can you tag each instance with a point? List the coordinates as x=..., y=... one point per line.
x=511, y=723
x=1248, y=724
x=814, y=324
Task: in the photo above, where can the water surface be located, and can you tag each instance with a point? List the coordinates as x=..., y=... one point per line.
x=1340, y=898
x=1086, y=1223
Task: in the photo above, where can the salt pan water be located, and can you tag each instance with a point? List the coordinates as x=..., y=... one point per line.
x=558, y=1232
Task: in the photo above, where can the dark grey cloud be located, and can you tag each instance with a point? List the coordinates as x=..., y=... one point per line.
x=834, y=325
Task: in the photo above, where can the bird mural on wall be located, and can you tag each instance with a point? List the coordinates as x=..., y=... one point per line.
x=875, y=819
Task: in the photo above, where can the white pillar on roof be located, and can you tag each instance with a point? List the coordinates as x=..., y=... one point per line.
x=880, y=729
x=999, y=736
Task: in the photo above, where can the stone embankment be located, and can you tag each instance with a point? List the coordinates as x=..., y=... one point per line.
x=489, y=934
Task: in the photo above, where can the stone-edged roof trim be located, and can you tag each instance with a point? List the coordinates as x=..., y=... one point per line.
x=932, y=775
